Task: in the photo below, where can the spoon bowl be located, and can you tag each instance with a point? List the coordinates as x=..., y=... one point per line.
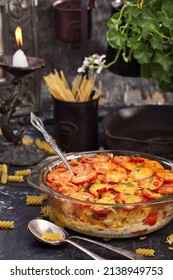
x=37, y=227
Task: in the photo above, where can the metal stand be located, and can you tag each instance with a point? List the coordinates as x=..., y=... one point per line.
x=14, y=153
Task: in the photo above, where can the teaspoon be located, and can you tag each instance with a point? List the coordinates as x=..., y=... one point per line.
x=37, y=227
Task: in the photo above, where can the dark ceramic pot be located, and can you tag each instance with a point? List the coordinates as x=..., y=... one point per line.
x=76, y=125
x=131, y=69
x=68, y=20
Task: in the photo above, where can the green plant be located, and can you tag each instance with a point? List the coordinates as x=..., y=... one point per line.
x=143, y=29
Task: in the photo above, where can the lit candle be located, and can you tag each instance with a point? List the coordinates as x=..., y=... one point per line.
x=19, y=58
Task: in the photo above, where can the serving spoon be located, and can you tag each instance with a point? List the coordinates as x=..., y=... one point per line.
x=37, y=227
x=37, y=122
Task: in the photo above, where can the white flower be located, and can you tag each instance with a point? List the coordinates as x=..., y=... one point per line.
x=81, y=70
x=94, y=62
x=99, y=69
x=86, y=61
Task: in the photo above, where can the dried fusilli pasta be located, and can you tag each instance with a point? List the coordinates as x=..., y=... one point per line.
x=24, y=172
x=51, y=236
x=6, y=224
x=43, y=145
x=4, y=168
x=35, y=199
x=14, y=178
x=45, y=211
x=145, y=252
x=4, y=178
x=27, y=141
x=169, y=239
x=4, y=171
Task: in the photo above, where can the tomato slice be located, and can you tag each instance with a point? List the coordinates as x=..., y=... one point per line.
x=152, y=183
x=67, y=189
x=87, y=176
x=77, y=167
x=116, y=176
x=83, y=196
x=128, y=165
x=123, y=198
x=103, y=167
x=56, y=176
x=124, y=188
x=136, y=159
x=141, y=173
x=166, y=189
x=120, y=159
x=150, y=195
x=151, y=219
x=153, y=164
x=97, y=189
x=97, y=158
x=166, y=175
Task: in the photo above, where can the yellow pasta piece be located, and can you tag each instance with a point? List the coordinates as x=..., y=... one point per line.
x=27, y=141
x=35, y=199
x=145, y=252
x=4, y=171
x=51, y=236
x=14, y=178
x=4, y=178
x=63, y=78
x=1, y=132
x=142, y=237
x=169, y=239
x=170, y=248
x=43, y=145
x=44, y=196
x=7, y=224
x=4, y=168
x=24, y=172
x=45, y=211
x=10, y=208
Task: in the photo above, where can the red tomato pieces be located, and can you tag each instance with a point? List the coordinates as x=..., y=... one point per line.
x=87, y=176
x=98, y=188
x=59, y=177
x=116, y=176
x=150, y=195
x=114, y=179
x=166, y=175
x=97, y=158
x=104, y=167
x=152, y=183
x=165, y=189
x=137, y=160
x=151, y=219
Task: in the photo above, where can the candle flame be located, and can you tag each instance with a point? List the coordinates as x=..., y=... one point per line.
x=18, y=36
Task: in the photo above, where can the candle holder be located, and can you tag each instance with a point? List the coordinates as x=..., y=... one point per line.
x=14, y=152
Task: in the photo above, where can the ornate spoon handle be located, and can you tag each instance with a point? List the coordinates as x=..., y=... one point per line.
x=37, y=122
